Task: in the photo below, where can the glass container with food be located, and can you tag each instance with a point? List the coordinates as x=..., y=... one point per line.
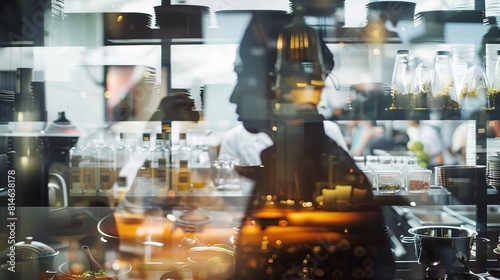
x=443, y=86
x=418, y=180
x=494, y=89
x=474, y=89
x=401, y=82
x=389, y=181
x=423, y=95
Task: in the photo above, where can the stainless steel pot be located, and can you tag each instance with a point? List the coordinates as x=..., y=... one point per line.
x=447, y=246
x=29, y=252
x=461, y=180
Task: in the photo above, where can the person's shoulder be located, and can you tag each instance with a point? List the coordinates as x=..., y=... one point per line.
x=236, y=129
x=330, y=124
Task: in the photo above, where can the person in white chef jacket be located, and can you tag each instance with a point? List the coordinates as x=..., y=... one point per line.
x=239, y=144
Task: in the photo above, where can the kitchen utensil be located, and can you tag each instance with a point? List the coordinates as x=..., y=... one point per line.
x=461, y=180
x=30, y=251
x=445, y=245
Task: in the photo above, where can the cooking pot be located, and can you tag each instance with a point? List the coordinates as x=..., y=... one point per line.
x=447, y=246
x=461, y=180
x=30, y=251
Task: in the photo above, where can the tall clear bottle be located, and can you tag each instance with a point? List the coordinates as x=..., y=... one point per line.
x=145, y=148
x=106, y=168
x=494, y=89
x=159, y=163
x=89, y=167
x=123, y=153
x=76, y=154
x=443, y=85
x=401, y=82
x=169, y=157
x=145, y=155
x=183, y=174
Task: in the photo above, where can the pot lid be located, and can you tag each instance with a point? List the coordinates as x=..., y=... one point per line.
x=30, y=249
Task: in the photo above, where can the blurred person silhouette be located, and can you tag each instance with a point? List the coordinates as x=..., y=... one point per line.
x=291, y=169
x=362, y=133
x=244, y=146
x=176, y=106
x=390, y=136
x=428, y=135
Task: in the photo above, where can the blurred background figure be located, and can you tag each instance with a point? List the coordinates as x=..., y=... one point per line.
x=361, y=133
x=176, y=107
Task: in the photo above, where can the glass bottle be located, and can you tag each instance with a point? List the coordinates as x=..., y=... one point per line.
x=123, y=153
x=401, y=90
x=183, y=151
x=169, y=157
x=159, y=150
x=88, y=171
x=474, y=90
x=76, y=157
x=443, y=86
x=494, y=89
x=145, y=149
x=423, y=95
x=106, y=168
x=159, y=161
x=183, y=174
x=145, y=170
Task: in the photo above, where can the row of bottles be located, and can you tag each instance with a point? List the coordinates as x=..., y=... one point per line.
x=423, y=88
x=98, y=167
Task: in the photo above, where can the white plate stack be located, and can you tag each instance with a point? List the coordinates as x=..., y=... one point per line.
x=493, y=171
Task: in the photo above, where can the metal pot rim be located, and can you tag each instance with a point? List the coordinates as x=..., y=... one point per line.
x=470, y=233
x=460, y=167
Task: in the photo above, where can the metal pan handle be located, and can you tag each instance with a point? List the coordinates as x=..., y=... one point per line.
x=407, y=239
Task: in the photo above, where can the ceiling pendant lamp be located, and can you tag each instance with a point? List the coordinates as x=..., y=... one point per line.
x=299, y=69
